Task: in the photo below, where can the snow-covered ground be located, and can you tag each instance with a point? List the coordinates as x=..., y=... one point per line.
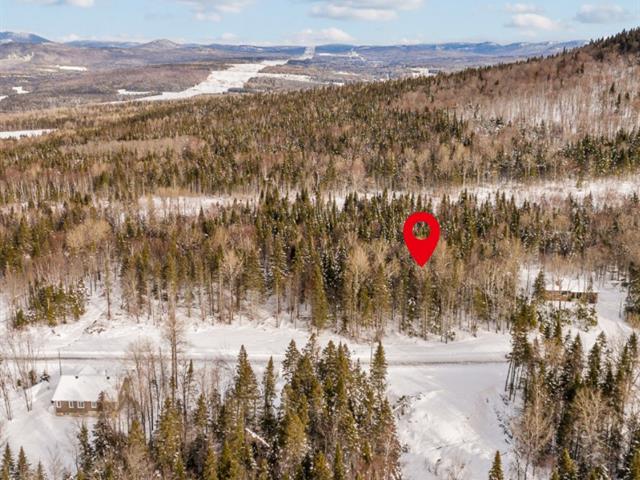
x=220, y=81
x=2, y=97
x=71, y=68
x=189, y=205
x=422, y=72
x=609, y=190
x=19, y=90
x=448, y=397
x=123, y=91
x=294, y=77
x=23, y=133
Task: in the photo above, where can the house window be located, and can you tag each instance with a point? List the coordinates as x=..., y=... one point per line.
x=94, y=405
x=81, y=405
x=72, y=404
x=58, y=404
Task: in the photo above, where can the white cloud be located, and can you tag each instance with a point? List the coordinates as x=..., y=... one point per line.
x=207, y=16
x=229, y=37
x=602, y=14
x=532, y=22
x=81, y=3
x=319, y=37
x=73, y=3
x=522, y=8
x=367, y=10
x=212, y=10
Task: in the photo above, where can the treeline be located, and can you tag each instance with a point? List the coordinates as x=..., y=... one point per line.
x=577, y=416
x=331, y=421
x=334, y=267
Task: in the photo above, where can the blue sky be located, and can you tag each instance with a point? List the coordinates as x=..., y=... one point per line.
x=318, y=21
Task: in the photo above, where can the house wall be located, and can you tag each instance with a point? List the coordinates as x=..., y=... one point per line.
x=72, y=408
x=566, y=296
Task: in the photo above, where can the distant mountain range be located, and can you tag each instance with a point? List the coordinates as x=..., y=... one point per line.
x=490, y=49
x=38, y=73
x=9, y=37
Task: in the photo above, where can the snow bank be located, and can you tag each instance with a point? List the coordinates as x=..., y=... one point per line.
x=451, y=427
x=24, y=133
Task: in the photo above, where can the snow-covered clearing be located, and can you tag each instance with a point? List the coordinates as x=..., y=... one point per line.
x=220, y=81
x=422, y=72
x=448, y=397
x=292, y=77
x=602, y=190
x=19, y=90
x=24, y=133
x=605, y=190
x=189, y=205
x=123, y=91
x=71, y=68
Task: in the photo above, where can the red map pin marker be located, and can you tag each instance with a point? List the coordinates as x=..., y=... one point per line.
x=421, y=249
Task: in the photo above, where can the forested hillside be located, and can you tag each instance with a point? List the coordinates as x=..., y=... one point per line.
x=294, y=204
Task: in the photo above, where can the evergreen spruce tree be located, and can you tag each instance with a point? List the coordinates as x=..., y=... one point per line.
x=268, y=420
x=380, y=299
x=290, y=362
x=339, y=471
x=210, y=465
x=632, y=305
x=292, y=442
x=379, y=371
x=228, y=469
x=539, y=288
x=23, y=469
x=496, y=468
x=168, y=438
x=137, y=459
x=40, y=475
x=8, y=467
x=105, y=439
x=278, y=271
x=321, y=470
x=252, y=275
x=201, y=416
x=246, y=389
x=85, y=453
x=567, y=469
x=319, y=304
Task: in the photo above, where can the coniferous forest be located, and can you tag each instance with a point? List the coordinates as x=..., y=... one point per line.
x=215, y=208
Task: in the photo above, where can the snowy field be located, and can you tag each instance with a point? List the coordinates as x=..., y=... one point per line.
x=448, y=397
x=220, y=81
